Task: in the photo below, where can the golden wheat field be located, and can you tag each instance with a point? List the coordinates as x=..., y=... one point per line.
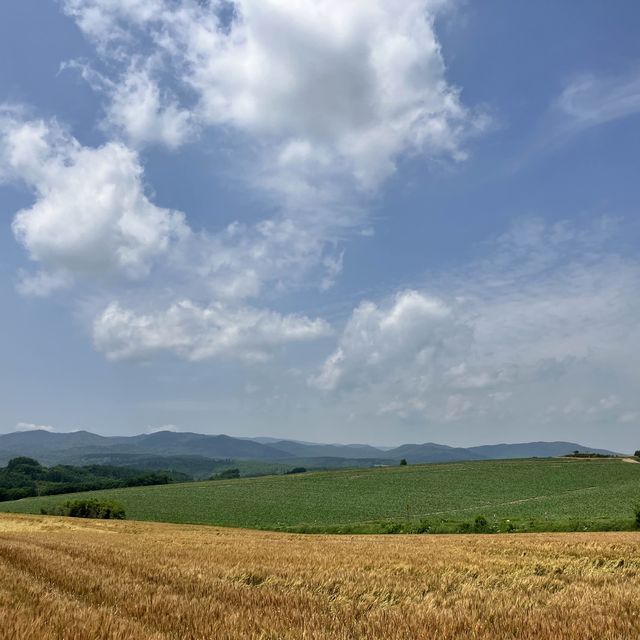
x=72, y=579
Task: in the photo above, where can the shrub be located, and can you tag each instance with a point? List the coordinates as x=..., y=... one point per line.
x=296, y=470
x=228, y=474
x=424, y=526
x=638, y=517
x=403, y=462
x=88, y=508
x=480, y=524
x=508, y=526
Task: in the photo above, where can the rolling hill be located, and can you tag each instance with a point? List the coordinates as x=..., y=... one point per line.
x=545, y=494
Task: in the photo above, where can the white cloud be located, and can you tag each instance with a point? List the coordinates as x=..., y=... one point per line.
x=29, y=426
x=630, y=417
x=42, y=283
x=550, y=319
x=139, y=109
x=165, y=427
x=590, y=100
x=609, y=402
x=411, y=331
x=90, y=215
x=344, y=86
x=323, y=98
x=239, y=261
x=197, y=333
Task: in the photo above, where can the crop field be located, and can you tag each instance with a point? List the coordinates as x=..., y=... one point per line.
x=551, y=494
x=76, y=579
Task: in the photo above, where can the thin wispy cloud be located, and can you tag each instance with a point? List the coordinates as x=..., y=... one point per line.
x=591, y=100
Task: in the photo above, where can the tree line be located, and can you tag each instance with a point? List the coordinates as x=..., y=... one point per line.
x=25, y=477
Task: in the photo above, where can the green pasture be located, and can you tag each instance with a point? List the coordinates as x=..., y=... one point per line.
x=525, y=495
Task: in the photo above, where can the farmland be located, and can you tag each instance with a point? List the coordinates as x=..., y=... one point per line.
x=527, y=495
x=77, y=579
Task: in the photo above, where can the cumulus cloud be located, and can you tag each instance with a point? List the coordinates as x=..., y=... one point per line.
x=91, y=215
x=139, y=109
x=412, y=329
x=344, y=86
x=323, y=98
x=547, y=321
x=29, y=426
x=196, y=333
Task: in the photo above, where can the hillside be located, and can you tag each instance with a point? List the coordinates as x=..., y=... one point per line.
x=532, y=494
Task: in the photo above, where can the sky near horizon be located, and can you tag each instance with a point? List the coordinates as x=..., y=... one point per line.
x=376, y=221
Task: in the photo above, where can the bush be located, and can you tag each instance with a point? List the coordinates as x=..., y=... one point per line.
x=228, y=474
x=507, y=526
x=296, y=470
x=480, y=524
x=403, y=462
x=638, y=517
x=88, y=508
x=424, y=526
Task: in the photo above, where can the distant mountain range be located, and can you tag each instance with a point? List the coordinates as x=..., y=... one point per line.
x=80, y=446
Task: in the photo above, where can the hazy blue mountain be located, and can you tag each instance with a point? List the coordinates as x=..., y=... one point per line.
x=51, y=448
x=47, y=447
x=54, y=448
x=221, y=446
x=431, y=452
x=533, y=449
x=312, y=450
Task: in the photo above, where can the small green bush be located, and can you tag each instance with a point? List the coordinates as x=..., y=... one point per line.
x=507, y=526
x=227, y=474
x=480, y=524
x=424, y=526
x=88, y=508
x=638, y=517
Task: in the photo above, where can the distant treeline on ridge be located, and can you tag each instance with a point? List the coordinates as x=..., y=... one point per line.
x=24, y=477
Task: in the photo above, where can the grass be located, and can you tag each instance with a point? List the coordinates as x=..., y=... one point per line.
x=70, y=579
x=550, y=494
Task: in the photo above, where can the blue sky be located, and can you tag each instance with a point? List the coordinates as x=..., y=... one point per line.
x=372, y=221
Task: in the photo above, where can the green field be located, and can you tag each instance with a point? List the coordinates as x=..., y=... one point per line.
x=549, y=494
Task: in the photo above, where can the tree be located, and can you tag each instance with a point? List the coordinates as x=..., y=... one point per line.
x=403, y=462
x=23, y=464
